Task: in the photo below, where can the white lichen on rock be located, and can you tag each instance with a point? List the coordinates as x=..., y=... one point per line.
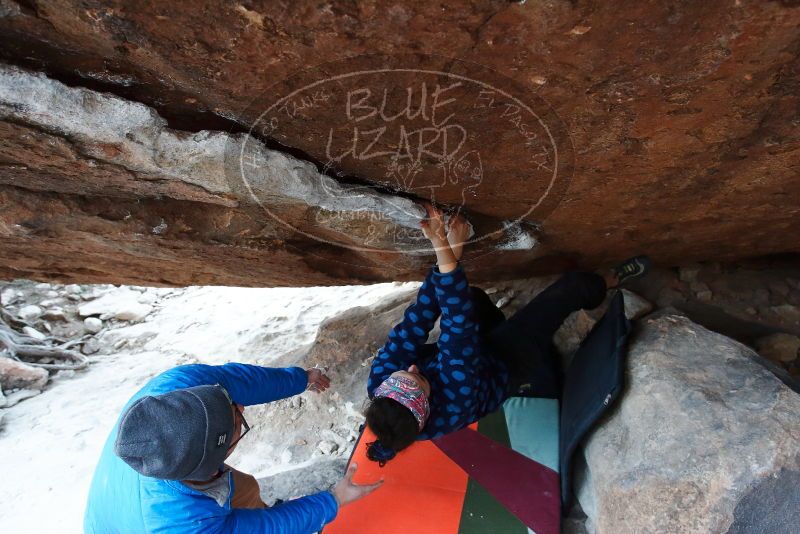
x=132, y=135
x=517, y=237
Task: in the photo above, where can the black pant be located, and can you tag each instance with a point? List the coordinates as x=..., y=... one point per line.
x=525, y=341
x=487, y=314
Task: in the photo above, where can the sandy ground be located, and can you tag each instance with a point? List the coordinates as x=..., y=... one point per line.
x=50, y=443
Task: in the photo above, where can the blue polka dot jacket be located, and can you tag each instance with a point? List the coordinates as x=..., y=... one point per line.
x=466, y=381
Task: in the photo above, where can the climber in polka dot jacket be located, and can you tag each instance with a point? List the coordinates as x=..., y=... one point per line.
x=465, y=384
x=422, y=391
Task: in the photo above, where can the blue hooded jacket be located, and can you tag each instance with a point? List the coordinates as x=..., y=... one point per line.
x=122, y=500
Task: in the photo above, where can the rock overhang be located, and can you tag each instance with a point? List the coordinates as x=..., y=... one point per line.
x=682, y=136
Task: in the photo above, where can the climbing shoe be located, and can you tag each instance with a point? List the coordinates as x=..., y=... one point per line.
x=632, y=268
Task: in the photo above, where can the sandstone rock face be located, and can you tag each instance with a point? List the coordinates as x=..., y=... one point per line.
x=703, y=440
x=665, y=128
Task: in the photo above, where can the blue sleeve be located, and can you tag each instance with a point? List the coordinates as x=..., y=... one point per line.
x=300, y=516
x=246, y=384
x=459, y=328
x=458, y=345
x=407, y=337
x=168, y=508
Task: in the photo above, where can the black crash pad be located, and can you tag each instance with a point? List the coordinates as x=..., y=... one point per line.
x=592, y=383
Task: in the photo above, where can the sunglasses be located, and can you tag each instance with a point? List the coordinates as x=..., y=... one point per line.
x=244, y=424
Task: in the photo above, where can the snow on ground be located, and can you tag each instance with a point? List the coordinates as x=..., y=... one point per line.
x=50, y=443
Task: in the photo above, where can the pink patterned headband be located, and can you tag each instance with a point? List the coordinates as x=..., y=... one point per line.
x=408, y=393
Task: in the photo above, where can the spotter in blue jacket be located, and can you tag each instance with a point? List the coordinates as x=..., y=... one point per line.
x=122, y=500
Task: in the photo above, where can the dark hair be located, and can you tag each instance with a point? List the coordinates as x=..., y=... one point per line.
x=395, y=427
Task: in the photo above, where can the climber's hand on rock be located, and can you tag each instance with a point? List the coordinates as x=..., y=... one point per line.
x=317, y=381
x=457, y=234
x=347, y=491
x=433, y=227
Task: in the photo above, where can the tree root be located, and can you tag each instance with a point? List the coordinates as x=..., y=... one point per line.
x=24, y=348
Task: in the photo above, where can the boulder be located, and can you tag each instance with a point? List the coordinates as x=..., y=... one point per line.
x=701, y=291
x=123, y=304
x=133, y=312
x=788, y=312
x=93, y=324
x=689, y=273
x=9, y=296
x=568, y=338
x=635, y=306
x=30, y=312
x=704, y=439
x=32, y=332
x=72, y=289
x=17, y=375
x=12, y=399
x=55, y=314
x=327, y=447
x=573, y=330
x=303, y=479
x=780, y=347
x=91, y=346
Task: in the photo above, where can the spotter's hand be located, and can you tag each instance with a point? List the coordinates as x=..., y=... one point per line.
x=347, y=491
x=317, y=381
